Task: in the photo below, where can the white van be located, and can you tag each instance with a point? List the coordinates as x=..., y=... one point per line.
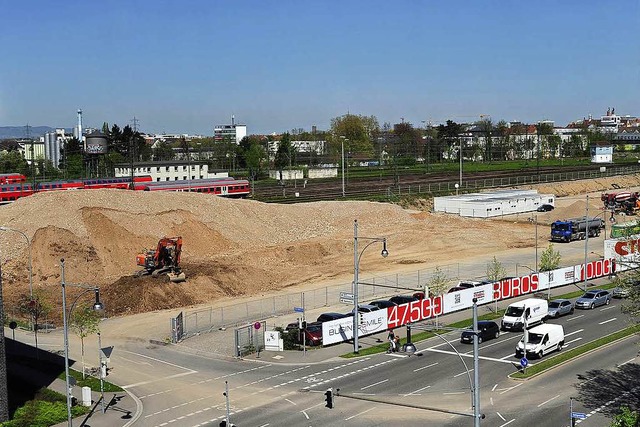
x=542, y=339
x=534, y=310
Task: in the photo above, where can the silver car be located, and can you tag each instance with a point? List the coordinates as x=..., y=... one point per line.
x=560, y=307
x=593, y=299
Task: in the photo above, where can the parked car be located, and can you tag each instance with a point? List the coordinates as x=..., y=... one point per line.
x=545, y=208
x=468, y=284
x=367, y=308
x=593, y=298
x=487, y=328
x=560, y=307
x=456, y=289
x=403, y=299
x=382, y=303
x=326, y=317
x=620, y=292
x=312, y=334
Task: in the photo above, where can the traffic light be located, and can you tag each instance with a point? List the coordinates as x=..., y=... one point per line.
x=360, y=318
x=304, y=324
x=329, y=398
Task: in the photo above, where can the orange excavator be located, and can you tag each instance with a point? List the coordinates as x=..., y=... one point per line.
x=164, y=259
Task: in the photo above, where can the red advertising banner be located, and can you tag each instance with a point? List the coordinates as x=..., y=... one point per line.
x=414, y=311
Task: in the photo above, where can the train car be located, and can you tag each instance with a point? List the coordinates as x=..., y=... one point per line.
x=228, y=187
x=120, y=182
x=60, y=185
x=12, y=178
x=12, y=192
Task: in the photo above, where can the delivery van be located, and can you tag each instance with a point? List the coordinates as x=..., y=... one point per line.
x=542, y=339
x=531, y=311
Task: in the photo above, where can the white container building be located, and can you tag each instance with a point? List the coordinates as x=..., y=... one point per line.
x=491, y=204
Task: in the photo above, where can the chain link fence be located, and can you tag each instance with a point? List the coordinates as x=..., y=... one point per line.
x=371, y=287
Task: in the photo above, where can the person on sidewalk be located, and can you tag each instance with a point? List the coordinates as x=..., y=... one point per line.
x=392, y=342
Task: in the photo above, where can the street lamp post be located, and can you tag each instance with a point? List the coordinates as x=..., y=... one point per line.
x=356, y=267
x=586, y=242
x=2, y=228
x=474, y=386
x=97, y=306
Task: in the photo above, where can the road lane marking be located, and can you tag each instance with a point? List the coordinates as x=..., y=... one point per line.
x=425, y=367
x=158, y=360
x=573, y=333
x=507, y=423
x=265, y=425
x=462, y=373
x=575, y=317
x=573, y=340
x=417, y=391
x=135, y=361
x=291, y=401
x=607, y=321
x=494, y=388
x=494, y=343
x=465, y=355
x=500, y=415
x=547, y=401
x=607, y=308
x=158, y=379
x=374, y=384
x=363, y=412
x=628, y=361
x=511, y=388
x=454, y=392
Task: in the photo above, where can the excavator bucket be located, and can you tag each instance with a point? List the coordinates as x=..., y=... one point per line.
x=177, y=277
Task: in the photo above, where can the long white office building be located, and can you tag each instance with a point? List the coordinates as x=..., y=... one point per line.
x=491, y=204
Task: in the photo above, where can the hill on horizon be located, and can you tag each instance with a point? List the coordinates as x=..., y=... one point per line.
x=7, y=132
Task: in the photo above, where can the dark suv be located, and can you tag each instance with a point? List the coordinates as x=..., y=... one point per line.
x=403, y=299
x=487, y=328
x=326, y=317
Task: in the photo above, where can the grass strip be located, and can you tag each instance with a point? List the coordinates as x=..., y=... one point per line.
x=575, y=352
x=462, y=324
x=92, y=382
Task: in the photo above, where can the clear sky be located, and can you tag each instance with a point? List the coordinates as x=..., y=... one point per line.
x=183, y=66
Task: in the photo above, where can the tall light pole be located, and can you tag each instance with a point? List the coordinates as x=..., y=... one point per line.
x=460, y=163
x=342, y=138
x=586, y=242
x=97, y=306
x=356, y=267
x=2, y=228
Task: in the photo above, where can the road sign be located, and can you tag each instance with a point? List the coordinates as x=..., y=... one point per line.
x=578, y=415
x=524, y=362
x=257, y=325
x=346, y=297
x=298, y=309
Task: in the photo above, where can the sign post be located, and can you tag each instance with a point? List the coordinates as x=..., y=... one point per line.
x=346, y=297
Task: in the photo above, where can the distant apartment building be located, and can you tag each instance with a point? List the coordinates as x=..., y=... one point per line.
x=175, y=170
x=230, y=133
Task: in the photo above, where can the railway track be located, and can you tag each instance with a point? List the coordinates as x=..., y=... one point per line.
x=426, y=185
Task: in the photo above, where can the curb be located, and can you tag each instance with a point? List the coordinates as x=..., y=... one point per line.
x=138, y=409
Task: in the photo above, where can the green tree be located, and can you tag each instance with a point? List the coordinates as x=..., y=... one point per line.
x=626, y=418
x=163, y=150
x=438, y=284
x=35, y=308
x=284, y=153
x=359, y=133
x=549, y=259
x=84, y=322
x=495, y=270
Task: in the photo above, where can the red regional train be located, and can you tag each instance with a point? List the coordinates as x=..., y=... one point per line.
x=14, y=187
x=229, y=187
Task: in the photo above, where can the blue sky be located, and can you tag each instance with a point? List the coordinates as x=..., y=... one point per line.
x=183, y=66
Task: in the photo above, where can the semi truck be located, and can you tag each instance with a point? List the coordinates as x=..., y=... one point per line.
x=576, y=229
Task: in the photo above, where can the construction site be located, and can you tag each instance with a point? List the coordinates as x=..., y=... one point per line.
x=233, y=249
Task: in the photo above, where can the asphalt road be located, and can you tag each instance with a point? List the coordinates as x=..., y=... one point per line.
x=187, y=390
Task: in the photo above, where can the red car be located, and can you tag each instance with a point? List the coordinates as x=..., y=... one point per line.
x=312, y=334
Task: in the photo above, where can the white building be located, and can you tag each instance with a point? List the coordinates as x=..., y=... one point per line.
x=230, y=133
x=169, y=170
x=494, y=203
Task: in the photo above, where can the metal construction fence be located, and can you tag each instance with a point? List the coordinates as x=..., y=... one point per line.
x=249, y=339
x=371, y=287
x=472, y=185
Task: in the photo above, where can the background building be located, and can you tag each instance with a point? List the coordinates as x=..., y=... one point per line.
x=169, y=170
x=230, y=133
